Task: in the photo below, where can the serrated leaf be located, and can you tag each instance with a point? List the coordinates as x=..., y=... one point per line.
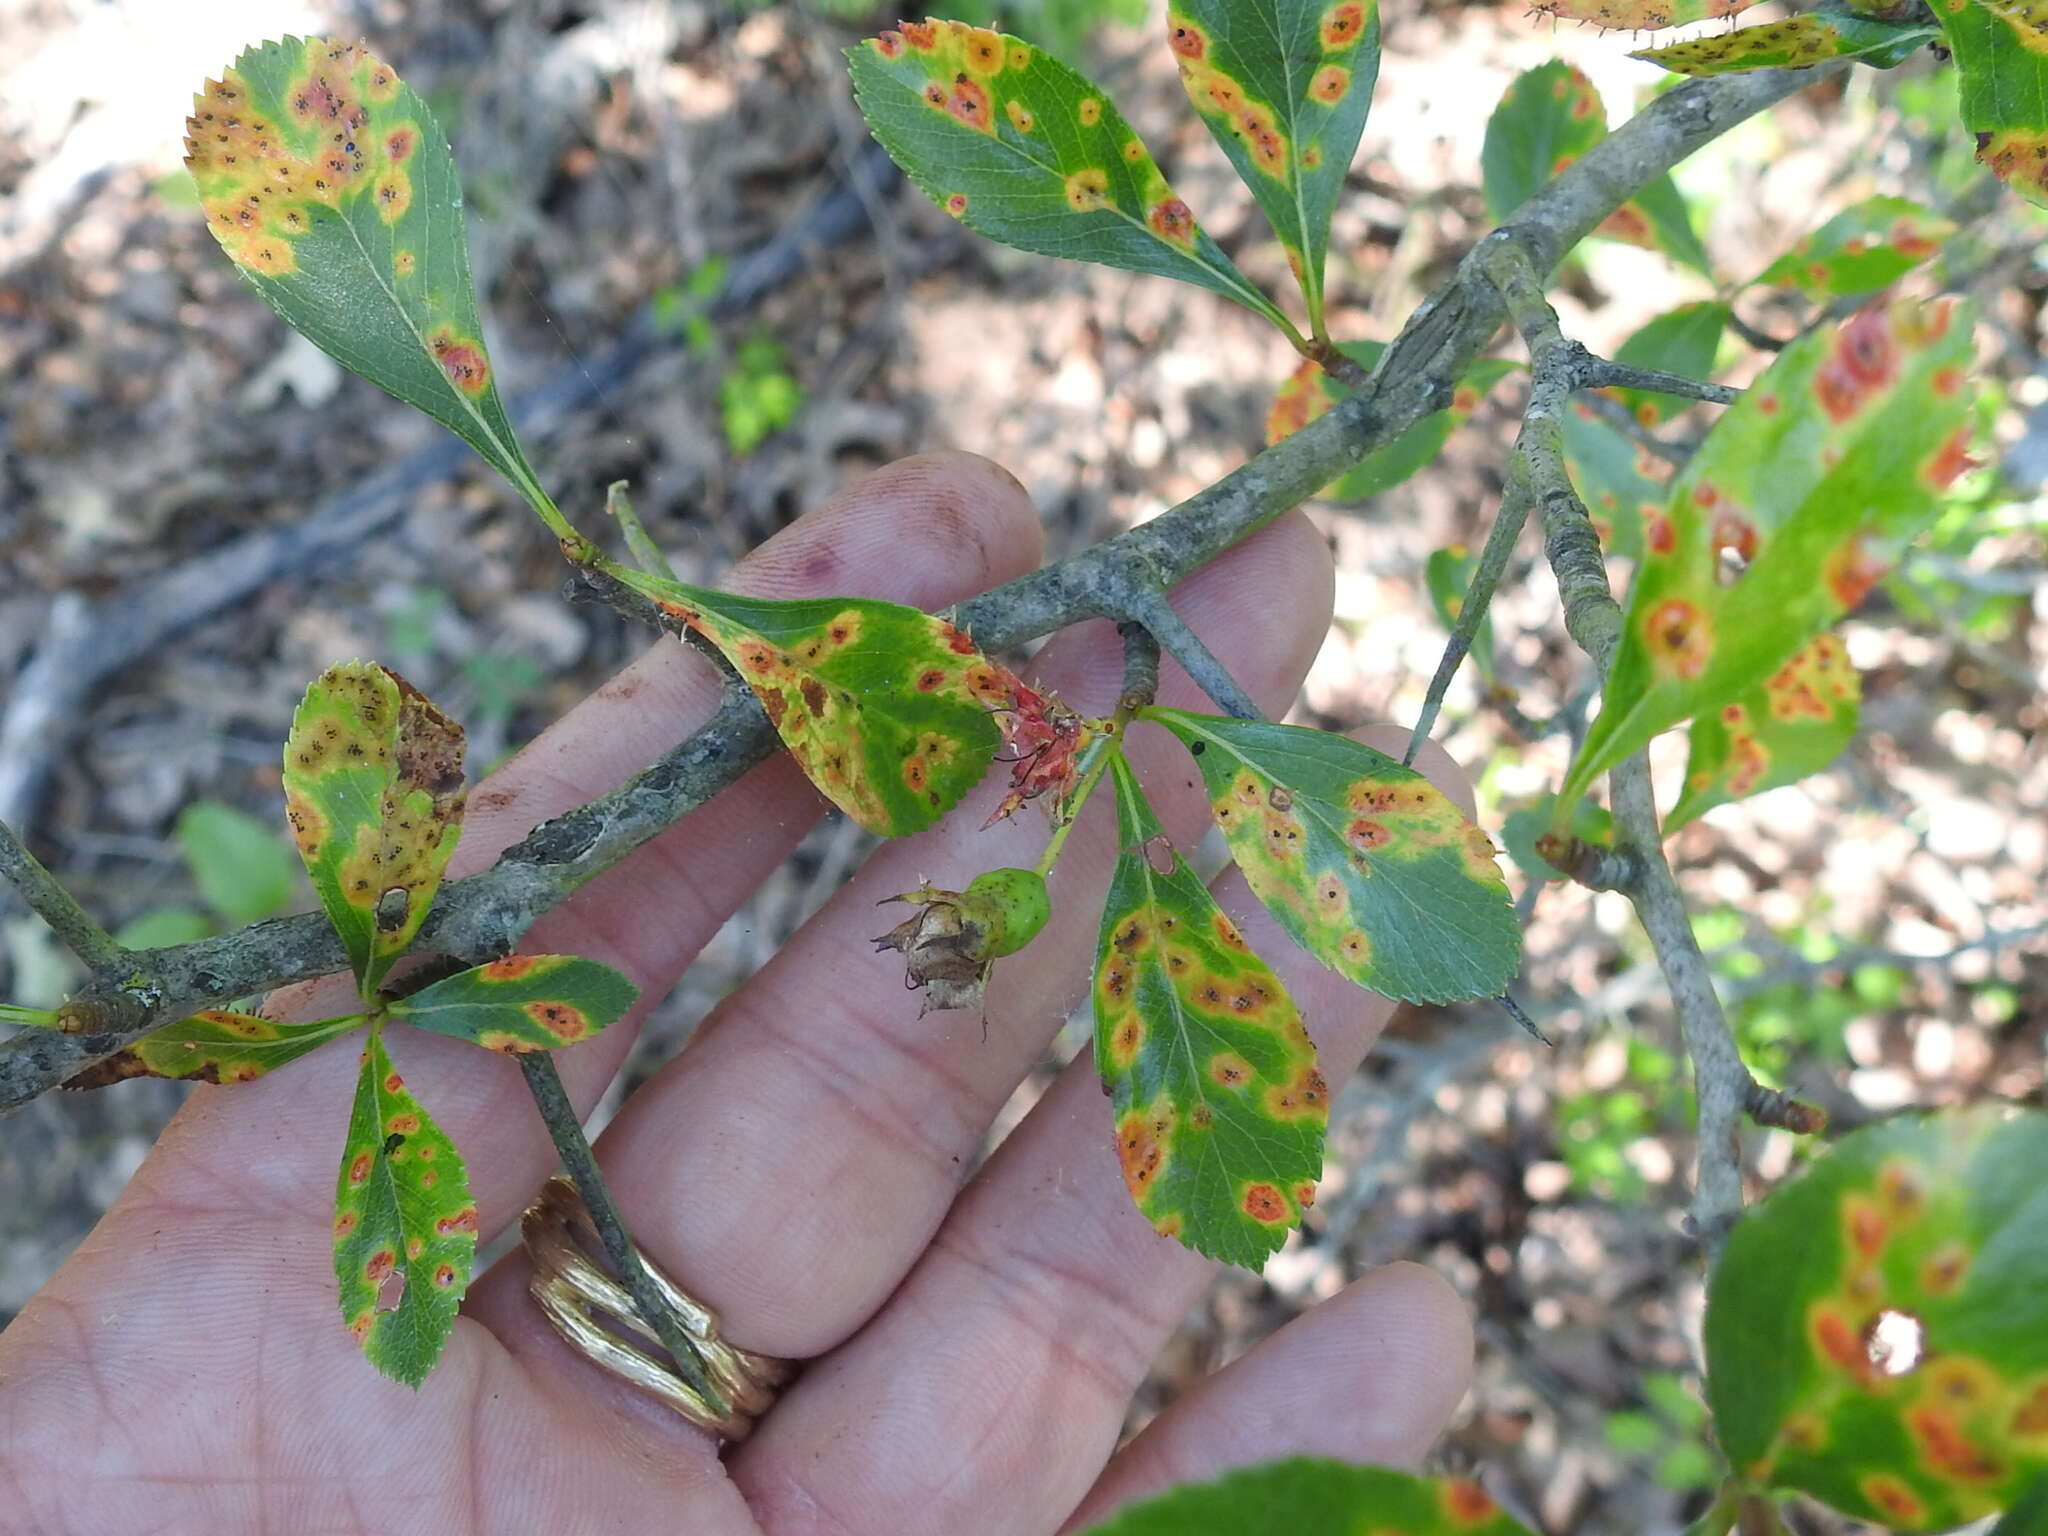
x=1860, y=250
x=522, y=1002
x=1549, y=117
x=1795, y=723
x=217, y=1046
x=373, y=793
x=1219, y=1107
x=1815, y=481
x=1364, y=862
x=1024, y=150
x=1685, y=340
x=1447, y=574
x=1309, y=392
x=2001, y=55
x=328, y=183
x=1284, y=86
x=888, y=710
x=1795, y=43
x=403, y=1217
x=241, y=865
x=1305, y=1497
x=1876, y=1332
x=1640, y=15
x=1623, y=486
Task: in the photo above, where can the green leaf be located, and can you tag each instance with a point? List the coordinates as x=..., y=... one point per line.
x=373, y=792
x=1794, y=43
x=1284, y=86
x=1364, y=862
x=1550, y=117
x=1024, y=150
x=241, y=865
x=403, y=1217
x=1447, y=573
x=2002, y=79
x=218, y=1046
x=1816, y=479
x=1877, y=1333
x=522, y=1002
x=1622, y=485
x=329, y=184
x=1686, y=340
x=1796, y=722
x=1212, y=1078
x=2027, y=1517
x=888, y=710
x=1860, y=250
x=1304, y=1497
x=161, y=927
x=1309, y=392
x=1640, y=15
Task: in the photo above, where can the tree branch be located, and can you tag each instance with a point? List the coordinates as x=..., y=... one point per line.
x=484, y=916
x=1636, y=866
x=55, y=905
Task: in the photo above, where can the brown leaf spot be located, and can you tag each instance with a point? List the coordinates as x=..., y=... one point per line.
x=1330, y=84
x=1342, y=25
x=1189, y=41
x=359, y=1168
x=1141, y=1151
x=463, y=1220
x=956, y=205
x=1230, y=1069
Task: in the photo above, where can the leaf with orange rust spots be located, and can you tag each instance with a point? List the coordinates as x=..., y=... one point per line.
x=1364, y=862
x=1285, y=86
x=1803, y=495
x=1212, y=1078
x=1024, y=150
x=328, y=183
x=1795, y=43
x=1309, y=392
x=2001, y=54
x=217, y=1046
x=522, y=1003
x=373, y=793
x=1877, y=1329
x=404, y=1225
x=1306, y=1497
x=1640, y=15
x=889, y=711
x=1860, y=250
x=1550, y=117
x=1795, y=723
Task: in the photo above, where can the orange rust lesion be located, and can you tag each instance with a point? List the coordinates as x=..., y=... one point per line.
x=1341, y=26
x=1172, y=220
x=1187, y=40
x=1851, y=569
x=1466, y=1503
x=1089, y=113
x=1126, y=1039
x=1304, y=1096
x=1679, y=637
x=462, y=359
x=510, y=968
x=562, y=1020
x=1229, y=1069
x=1893, y=1498
x=1265, y=1204
x=1142, y=1144
x=984, y=52
x=1022, y=118
x=1330, y=84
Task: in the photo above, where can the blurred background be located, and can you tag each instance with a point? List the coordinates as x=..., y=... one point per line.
x=698, y=276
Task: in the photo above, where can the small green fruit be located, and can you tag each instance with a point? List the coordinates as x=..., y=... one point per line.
x=1011, y=903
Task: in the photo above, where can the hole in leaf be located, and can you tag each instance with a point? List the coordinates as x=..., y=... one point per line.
x=1159, y=854
x=391, y=1291
x=1896, y=1343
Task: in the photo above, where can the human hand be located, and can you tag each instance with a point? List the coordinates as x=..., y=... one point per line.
x=969, y=1348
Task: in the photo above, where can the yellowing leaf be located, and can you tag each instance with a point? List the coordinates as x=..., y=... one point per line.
x=1364, y=862
x=328, y=183
x=217, y=1046
x=889, y=711
x=373, y=792
x=1212, y=1079
x=404, y=1225
x=1020, y=148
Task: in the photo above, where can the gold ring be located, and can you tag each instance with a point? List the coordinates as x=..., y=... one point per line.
x=591, y=1309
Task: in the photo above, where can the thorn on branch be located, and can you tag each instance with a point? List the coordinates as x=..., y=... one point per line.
x=1604, y=373
x=56, y=907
